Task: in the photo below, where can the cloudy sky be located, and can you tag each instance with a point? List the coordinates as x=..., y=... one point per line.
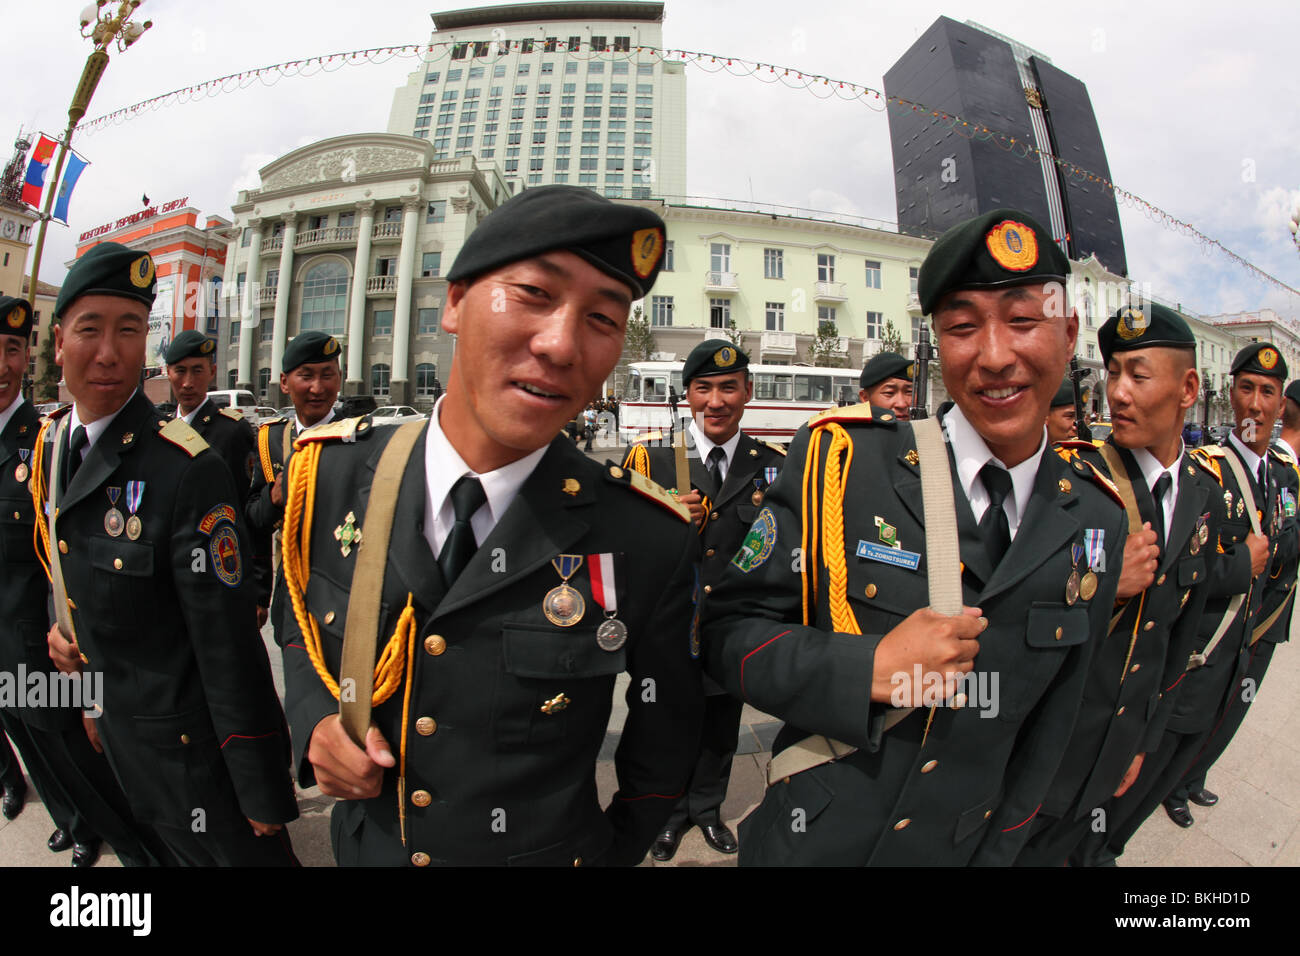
x=1196, y=103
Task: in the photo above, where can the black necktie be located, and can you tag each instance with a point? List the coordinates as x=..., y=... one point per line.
x=1262, y=477
x=466, y=498
x=1159, y=492
x=716, y=457
x=73, y=460
x=994, y=527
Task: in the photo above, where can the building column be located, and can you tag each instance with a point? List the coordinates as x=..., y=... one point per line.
x=356, y=372
x=249, y=310
x=399, y=385
x=283, y=290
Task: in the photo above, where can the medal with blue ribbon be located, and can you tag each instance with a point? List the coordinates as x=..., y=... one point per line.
x=22, y=471
x=113, y=520
x=563, y=605
x=134, y=494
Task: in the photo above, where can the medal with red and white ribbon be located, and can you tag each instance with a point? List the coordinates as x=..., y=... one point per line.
x=608, y=589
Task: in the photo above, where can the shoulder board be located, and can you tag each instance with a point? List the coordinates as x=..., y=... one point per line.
x=1208, y=451
x=345, y=430
x=58, y=413
x=1281, y=455
x=648, y=489
x=1088, y=470
x=232, y=413
x=1069, y=450
x=772, y=446
x=183, y=436
x=849, y=414
x=651, y=436
x=1209, y=466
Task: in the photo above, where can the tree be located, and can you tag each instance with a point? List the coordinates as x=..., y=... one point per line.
x=46, y=386
x=824, y=350
x=734, y=335
x=639, y=343
x=891, y=340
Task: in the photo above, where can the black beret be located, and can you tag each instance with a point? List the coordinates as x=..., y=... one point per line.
x=190, y=344
x=109, y=269
x=1004, y=247
x=17, y=316
x=885, y=365
x=1144, y=325
x=1293, y=391
x=713, y=357
x=1260, y=358
x=1064, y=394
x=307, y=347
x=626, y=242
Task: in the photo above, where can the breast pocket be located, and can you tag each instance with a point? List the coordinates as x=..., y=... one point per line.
x=1024, y=669
x=555, y=683
x=16, y=542
x=123, y=577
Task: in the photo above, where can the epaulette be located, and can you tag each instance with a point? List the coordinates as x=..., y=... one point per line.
x=772, y=446
x=1207, y=456
x=1088, y=470
x=345, y=430
x=180, y=434
x=1282, y=456
x=58, y=413
x=651, y=436
x=1069, y=450
x=232, y=413
x=647, y=489
x=1210, y=451
x=849, y=415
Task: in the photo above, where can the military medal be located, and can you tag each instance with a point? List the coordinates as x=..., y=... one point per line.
x=757, y=496
x=1241, y=507
x=22, y=471
x=1088, y=586
x=134, y=492
x=114, y=522
x=1072, y=582
x=607, y=579
x=563, y=605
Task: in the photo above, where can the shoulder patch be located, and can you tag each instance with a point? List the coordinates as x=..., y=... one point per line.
x=648, y=489
x=1209, y=465
x=772, y=446
x=849, y=414
x=1089, y=470
x=58, y=413
x=1208, y=451
x=345, y=430
x=183, y=436
x=232, y=413
x=1281, y=455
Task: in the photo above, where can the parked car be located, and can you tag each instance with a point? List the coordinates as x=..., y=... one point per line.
x=1100, y=431
x=395, y=415
x=351, y=406
x=233, y=398
x=261, y=414
x=1219, y=433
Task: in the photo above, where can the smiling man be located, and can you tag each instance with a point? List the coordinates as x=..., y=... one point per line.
x=502, y=580
x=886, y=382
x=730, y=471
x=146, y=552
x=823, y=617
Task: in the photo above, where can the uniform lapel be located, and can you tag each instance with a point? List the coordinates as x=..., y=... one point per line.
x=1146, y=502
x=409, y=557
x=537, y=526
x=120, y=436
x=9, y=438
x=907, y=483
x=742, y=470
x=1044, y=528
x=1189, y=506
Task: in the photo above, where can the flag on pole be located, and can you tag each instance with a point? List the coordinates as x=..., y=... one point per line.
x=34, y=182
x=75, y=165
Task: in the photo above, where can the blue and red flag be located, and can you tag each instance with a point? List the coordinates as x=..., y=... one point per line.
x=75, y=165
x=34, y=182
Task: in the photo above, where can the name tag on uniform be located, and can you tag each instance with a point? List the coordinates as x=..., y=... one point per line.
x=895, y=556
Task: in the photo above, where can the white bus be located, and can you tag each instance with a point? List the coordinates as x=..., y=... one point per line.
x=785, y=396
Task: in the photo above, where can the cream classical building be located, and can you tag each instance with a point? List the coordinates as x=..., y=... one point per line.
x=351, y=236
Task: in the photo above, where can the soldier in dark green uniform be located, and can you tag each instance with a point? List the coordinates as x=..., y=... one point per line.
x=729, y=472
x=1175, y=508
x=822, y=618
x=886, y=382
x=474, y=738
x=311, y=378
x=1062, y=424
x=147, y=553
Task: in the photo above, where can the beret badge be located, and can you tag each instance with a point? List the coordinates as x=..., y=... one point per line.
x=647, y=247
x=1132, y=324
x=1013, y=245
x=1268, y=358
x=142, y=272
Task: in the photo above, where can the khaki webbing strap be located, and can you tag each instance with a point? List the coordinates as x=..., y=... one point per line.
x=1119, y=476
x=1239, y=473
x=683, y=470
x=943, y=571
x=1198, y=658
x=62, y=610
x=1262, y=628
x=286, y=444
x=361, y=633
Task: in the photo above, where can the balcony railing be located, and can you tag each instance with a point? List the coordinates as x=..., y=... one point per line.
x=831, y=290
x=782, y=342
x=381, y=285
x=266, y=294
x=720, y=282
x=325, y=236
x=386, y=230
x=272, y=244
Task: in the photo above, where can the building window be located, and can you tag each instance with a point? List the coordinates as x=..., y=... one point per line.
x=719, y=257
x=874, y=324
x=916, y=331
x=826, y=319
x=379, y=375
x=437, y=211
x=774, y=316
x=231, y=378
x=347, y=220
x=825, y=267
x=426, y=374
x=235, y=328
x=668, y=256
x=428, y=321
x=325, y=298
x=383, y=322
x=719, y=313
x=272, y=279
x=913, y=277
x=263, y=382
x=773, y=263
x=661, y=310
x=244, y=240
x=873, y=274
x=431, y=265
x=1092, y=351
x=268, y=329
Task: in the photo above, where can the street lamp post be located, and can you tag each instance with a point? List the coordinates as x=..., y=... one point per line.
x=103, y=29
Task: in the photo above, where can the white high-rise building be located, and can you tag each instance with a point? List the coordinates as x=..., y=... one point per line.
x=554, y=93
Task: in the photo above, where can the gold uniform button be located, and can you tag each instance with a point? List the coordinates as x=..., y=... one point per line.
x=708, y=589
x=1148, y=625
x=707, y=554
x=425, y=726
x=929, y=765
x=421, y=798
x=987, y=814
x=713, y=516
x=329, y=617
x=1135, y=668
x=420, y=859
x=615, y=471
x=902, y=824
x=117, y=564
x=1160, y=580
x=577, y=861
x=185, y=738
x=871, y=590
x=1060, y=632
x=1120, y=712
x=435, y=644
x=1195, y=575
x=63, y=546
x=17, y=516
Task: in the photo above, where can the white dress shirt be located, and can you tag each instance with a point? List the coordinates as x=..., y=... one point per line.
x=971, y=454
x=1151, y=471
x=95, y=428
x=8, y=413
x=705, y=445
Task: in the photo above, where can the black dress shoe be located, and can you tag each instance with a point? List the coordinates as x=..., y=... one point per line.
x=59, y=841
x=1203, y=798
x=720, y=838
x=665, y=845
x=1178, y=812
x=12, y=803
x=85, y=854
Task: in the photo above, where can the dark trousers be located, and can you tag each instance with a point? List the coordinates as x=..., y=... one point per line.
x=1054, y=840
x=238, y=847
x=80, y=792
x=702, y=802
